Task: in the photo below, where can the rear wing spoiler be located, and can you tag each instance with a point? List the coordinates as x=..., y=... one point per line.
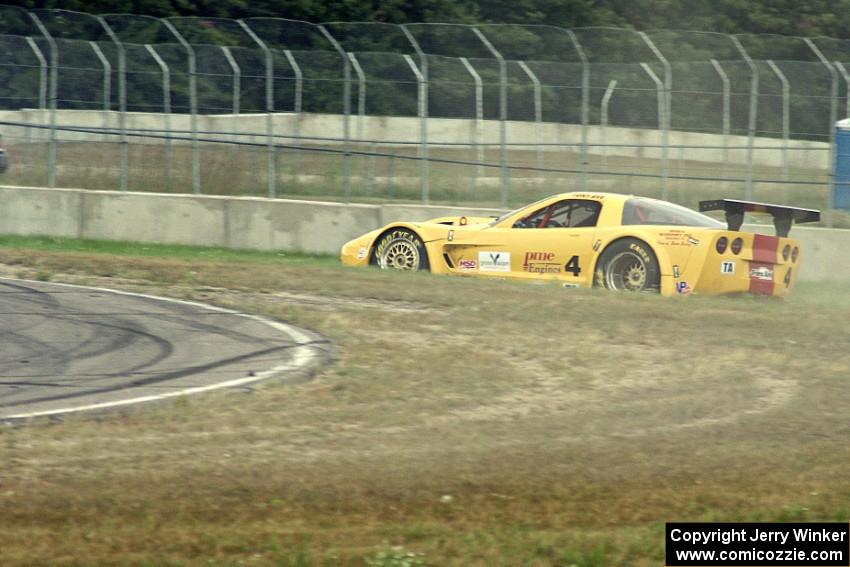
x=783, y=216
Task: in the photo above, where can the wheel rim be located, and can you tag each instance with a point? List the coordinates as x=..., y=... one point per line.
x=400, y=254
x=626, y=272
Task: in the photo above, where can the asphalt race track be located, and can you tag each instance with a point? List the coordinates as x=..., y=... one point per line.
x=68, y=349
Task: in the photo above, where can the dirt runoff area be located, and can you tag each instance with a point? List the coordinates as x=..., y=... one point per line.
x=461, y=422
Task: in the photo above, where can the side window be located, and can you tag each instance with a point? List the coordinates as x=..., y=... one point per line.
x=571, y=213
x=585, y=213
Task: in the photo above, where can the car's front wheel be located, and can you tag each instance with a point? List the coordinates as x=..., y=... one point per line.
x=628, y=265
x=400, y=249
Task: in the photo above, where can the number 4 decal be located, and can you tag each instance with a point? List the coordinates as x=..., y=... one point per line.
x=572, y=266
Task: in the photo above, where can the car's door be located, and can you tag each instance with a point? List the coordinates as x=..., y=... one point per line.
x=555, y=242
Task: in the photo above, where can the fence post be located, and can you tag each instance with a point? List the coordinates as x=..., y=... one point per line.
x=236, y=92
x=538, y=109
x=668, y=111
x=52, y=96
x=166, y=109
x=727, y=106
x=107, y=83
x=361, y=97
x=753, y=114
x=237, y=78
x=786, y=114
x=603, y=117
x=42, y=90
x=193, y=106
x=122, y=99
x=296, y=108
x=42, y=77
x=479, y=115
x=585, y=104
x=346, y=108
x=846, y=76
x=422, y=96
x=423, y=146
x=271, y=150
x=361, y=93
x=833, y=117
x=503, y=114
x=659, y=88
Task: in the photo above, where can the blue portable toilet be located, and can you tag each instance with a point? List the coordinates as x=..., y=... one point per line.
x=841, y=179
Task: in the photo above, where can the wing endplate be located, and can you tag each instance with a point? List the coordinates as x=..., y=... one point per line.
x=783, y=216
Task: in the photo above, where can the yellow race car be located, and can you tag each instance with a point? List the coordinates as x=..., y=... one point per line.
x=619, y=242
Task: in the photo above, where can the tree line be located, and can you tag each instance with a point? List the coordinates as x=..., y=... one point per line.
x=786, y=17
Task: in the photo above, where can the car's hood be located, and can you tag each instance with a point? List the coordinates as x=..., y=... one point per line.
x=460, y=221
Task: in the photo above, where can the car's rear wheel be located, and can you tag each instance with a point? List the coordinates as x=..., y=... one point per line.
x=400, y=249
x=628, y=265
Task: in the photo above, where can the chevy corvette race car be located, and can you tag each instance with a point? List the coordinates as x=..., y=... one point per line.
x=619, y=242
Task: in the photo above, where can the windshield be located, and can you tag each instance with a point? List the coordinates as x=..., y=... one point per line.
x=650, y=211
x=503, y=216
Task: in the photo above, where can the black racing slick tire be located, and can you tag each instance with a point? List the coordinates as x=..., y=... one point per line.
x=400, y=249
x=628, y=265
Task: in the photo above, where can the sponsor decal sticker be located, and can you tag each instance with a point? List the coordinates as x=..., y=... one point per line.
x=390, y=236
x=494, y=261
x=540, y=268
x=683, y=288
x=761, y=278
x=362, y=253
x=675, y=271
x=727, y=268
x=672, y=238
x=467, y=264
x=589, y=196
x=762, y=273
x=540, y=263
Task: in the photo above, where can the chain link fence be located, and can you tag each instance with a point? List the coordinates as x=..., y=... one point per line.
x=440, y=113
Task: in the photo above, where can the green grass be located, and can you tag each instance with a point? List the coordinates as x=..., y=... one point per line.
x=176, y=251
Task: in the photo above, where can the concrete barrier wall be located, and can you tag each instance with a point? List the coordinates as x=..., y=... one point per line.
x=201, y=220
x=277, y=224
x=635, y=142
x=825, y=254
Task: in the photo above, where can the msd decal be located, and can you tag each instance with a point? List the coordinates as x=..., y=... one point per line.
x=494, y=261
x=467, y=264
